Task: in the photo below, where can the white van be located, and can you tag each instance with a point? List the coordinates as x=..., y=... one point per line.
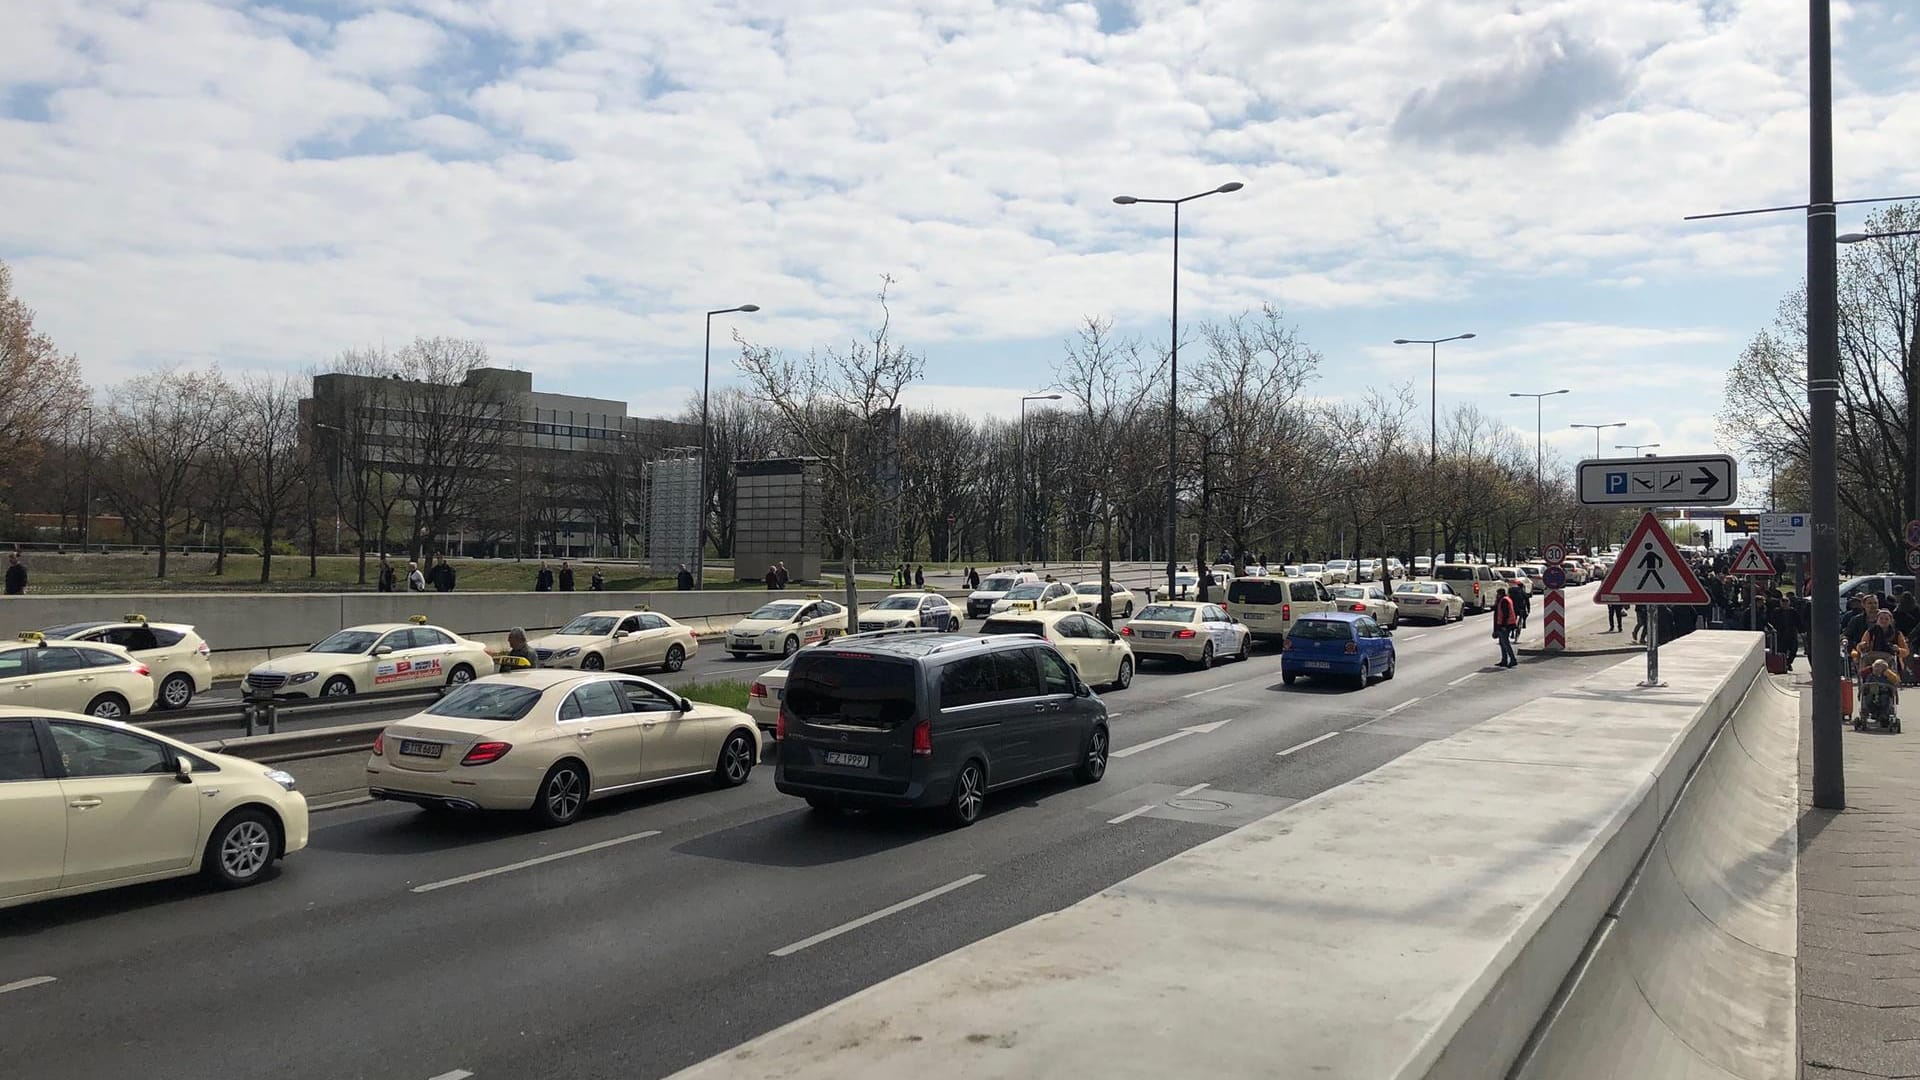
x=1269, y=605
x=993, y=587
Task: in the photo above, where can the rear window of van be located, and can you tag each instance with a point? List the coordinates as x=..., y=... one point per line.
x=1262, y=591
x=844, y=688
x=1454, y=573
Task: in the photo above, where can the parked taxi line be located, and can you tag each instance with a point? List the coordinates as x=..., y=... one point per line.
x=891, y=909
x=525, y=863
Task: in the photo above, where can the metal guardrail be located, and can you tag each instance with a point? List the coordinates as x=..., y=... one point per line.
x=293, y=746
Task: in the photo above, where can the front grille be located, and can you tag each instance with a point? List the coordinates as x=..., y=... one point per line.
x=544, y=654
x=869, y=624
x=265, y=680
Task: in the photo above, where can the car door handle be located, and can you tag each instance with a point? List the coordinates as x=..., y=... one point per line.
x=584, y=732
x=87, y=803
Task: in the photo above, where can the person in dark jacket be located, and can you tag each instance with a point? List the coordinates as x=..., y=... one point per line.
x=517, y=646
x=384, y=580
x=919, y=577
x=599, y=581
x=16, y=575
x=773, y=578
x=781, y=568
x=1506, y=624
x=1522, y=606
x=543, y=581
x=566, y=576
x=684, y=580
x=442, y=575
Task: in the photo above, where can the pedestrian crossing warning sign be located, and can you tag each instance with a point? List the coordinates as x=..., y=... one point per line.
x=1752, y=560
x=1650, y=571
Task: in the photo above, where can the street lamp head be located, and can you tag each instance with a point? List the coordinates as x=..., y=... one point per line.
x=748, y=307
x=1464, y=337
x=1125, y=200
x=1051, y=397
x=1231, y=185
x=1560, y=392
x=1402, y=341
x=1852, y=238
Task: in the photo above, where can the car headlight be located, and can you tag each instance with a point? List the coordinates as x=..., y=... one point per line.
x=770, y=633
x=305, y=676
x=566, y=653
x=284, y=779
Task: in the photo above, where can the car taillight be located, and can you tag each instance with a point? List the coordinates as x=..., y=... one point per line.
x=1286, y=643
x=203, y=649
x=1358, y=607
x=1126, y=631
x=923, y=739
x=484, y=753
x=1353, y=646
x=380, y=744
x=758, y=689
x=780, y=724
x=1183, y=633
x=142, y=669
x=1286, y=612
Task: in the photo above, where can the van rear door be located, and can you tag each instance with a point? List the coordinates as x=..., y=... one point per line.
x=850, y=720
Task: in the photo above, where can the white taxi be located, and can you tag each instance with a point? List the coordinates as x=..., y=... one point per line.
x=1037, y=596
x=1198, y=633
x=1369, y=600
x=1087, y=598
x=780, y=627
x=94, y=804
x=1102, y=657
x=1433, y=600
x=378, y=658
x=909, y=609
x=176, y=655
x=617, y=640
x=74, y=676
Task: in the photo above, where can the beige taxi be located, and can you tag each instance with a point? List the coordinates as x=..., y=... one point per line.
x=909, y=609
x=1432, y=600
x=547, y=742
x=1102, y=657
x=73, y=676
x=1190, y=630
x=781, y=627
x=177, y=656
x=1086, y=597
x=1369, y=600
x=378, y=658
x=93, y=804
x=617, y=641
x=1037, y=596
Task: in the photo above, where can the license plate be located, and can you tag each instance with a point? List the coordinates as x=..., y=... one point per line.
x=1321, y=664
x=420, y=749
x=1254, y=616
x=851, y=761
x=1153, y=633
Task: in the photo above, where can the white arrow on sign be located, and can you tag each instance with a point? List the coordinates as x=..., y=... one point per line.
x=1694, y=480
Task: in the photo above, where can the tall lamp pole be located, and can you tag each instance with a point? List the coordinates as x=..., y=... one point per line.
x=1020, y=472
x=1823, y=390
x=1635, y=447
x=1539, y=463
x=706, y=379
x=1173, y=359
x=1597, y=429
x=1433, y=419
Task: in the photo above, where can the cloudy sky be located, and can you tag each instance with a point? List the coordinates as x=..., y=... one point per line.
x=574, y=181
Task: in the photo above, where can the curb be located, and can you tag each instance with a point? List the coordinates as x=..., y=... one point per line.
x=1621, y=651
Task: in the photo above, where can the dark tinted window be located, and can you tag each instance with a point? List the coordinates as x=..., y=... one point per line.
x=1015, y=674
x=1322, y=630
x=55, y=658
x=165, y=639
x=1302, y=590
x=86, y=750
x=1011, y=626
x=19, y=752
x=593, y=699
x=1054, y=673
x=13, y=663
x=652, y=622
x=131, y=637
x=848, y=688
x=967, y=682
x=1454, y=573
x=101, y=658
x=1265, y=591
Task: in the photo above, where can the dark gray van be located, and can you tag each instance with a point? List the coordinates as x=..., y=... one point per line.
x=933, y=720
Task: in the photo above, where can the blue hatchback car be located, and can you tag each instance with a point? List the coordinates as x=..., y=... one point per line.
x=1337, y=643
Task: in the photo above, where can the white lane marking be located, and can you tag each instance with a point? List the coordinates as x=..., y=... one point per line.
x=524, y=863
x=1405, y=704
x=1150, y=744
x=1133, y=813
x=825, y=935
x=1211, y=690
x=37, y=980
x=1191, y=790
x=1302, y=746
x=1208, y=729
x=1415, y=637
x=457, y=1074
x=1463, y=678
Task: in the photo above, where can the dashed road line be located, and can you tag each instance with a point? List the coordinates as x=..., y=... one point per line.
x=827, y=935
x=1131, y=814
x=525, y=863
x=1464, y=678
x=1416, y=637
x=1191, y=790
x=1212, y=689
x=456, y=1074
x=1405, y=704
x=23, y=984
x=1296, y=748
x=1150, y=744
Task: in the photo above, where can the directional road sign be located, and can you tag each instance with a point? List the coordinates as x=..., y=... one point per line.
x=1650, y=571
x=1740, y=523
x=1698, y=480
x=1752, y=560
x=1786, y=532
x=1555, y=554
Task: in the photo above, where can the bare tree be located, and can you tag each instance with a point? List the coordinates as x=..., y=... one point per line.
x=159, y=431
x=40, y=390
x=271, y=446
x=842, y=406
x=450, y=432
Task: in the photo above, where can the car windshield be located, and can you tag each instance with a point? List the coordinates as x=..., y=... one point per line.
x=1419, y=587
x=1013, y=626
x=590, y=626
x=1322, y=630
x=486, y=701
x=1164, y=613
x=347, y=641
x=1340, y=564
x=777, y=612
x=1030, y=591
x=1312, y=567
x=898, y=603
x=61, y=633
x=997, y=584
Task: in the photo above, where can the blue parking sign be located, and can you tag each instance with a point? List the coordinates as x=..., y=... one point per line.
x=1616, y=483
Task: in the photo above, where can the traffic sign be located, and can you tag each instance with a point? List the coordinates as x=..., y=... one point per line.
x=1650, y=571
x=1697, y=480
x=1554, y=576
x=1740, y=523
x=1913, y=534
x=1752, y=560
x=1913, y=559
x=1555, y=554
x=1786, y=532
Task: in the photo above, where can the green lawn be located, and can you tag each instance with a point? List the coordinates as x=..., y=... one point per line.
x=731, y=693
x=118, y=573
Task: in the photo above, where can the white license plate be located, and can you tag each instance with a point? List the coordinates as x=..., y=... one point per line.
x=1153, y=633
x=1254, y=616
x=851, y=761
x=420, y=749
x=1320, y=664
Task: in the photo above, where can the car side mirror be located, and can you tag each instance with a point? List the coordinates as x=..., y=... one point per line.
x=619, y=635
x=382, y=650
x=183, y=768
x=683, y=705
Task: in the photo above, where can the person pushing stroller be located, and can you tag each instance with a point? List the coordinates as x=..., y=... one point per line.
x=1880, y=653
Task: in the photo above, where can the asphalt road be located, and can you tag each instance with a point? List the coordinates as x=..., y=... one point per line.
x=670, y=926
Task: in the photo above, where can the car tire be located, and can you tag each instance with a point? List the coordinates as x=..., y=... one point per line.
x=1124, y=678
x=593, y=661
x=562, y=794
x=338, y=686
x=1128, y=613
x=108, y=707
x=241, y=848
x=1246, y=649
x=969, y=796
x=790, y=646
x=1093, y=764
x=953, y=624
x=736, y=761
x=676, y=658
x=176, y=691
x=1360, y=679
x=460, y=675
x=1205, y=662
x=1387, y=675
x=1288, y=677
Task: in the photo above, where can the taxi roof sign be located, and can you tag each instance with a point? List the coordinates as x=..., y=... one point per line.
x=33, y=635
x=133, y=617
x=417, y=620
x=514, y=663
x=1650, y=571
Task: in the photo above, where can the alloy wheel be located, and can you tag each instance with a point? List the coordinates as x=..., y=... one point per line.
x=738, y=760
x=245, y=849
x=563, y=794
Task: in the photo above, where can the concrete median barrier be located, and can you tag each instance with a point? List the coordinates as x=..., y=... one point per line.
x=1415, y=922
x=295, y=745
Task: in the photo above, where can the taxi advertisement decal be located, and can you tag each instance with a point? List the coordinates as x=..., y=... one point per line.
x=404, y=670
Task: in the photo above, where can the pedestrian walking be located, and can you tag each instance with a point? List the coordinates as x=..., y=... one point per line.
x=1616, y=618
x=598, y=582
x=1506, y=625
x=1640, y=624
x=442, y=575
x=543, y=580
x=785, y=578
x=384, y=580
x=919, y=577
x=684, y=579
x=566, y=576
x=1522, y=604
x=16, y=575
x=416, y=581
x=773, y=578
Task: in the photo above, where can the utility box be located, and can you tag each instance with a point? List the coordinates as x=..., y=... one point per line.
x=777, y=509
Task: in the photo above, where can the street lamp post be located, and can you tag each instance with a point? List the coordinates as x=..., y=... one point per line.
x=1433, y=411
x=1020, y=472
x=1597, y=429
x=1173, y=361
x=1539, y=463
x=706, y=379
x=86, y=477
x=1635, y=448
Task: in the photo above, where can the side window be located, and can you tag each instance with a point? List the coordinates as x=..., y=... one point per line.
x=631, y=624
x=641, y=698
x=130, y=638
x=1364, y=628
x=808, y=612
x=101, y=658
x=56, y=659
x=13, y=663
x=397, y=640
x=1073, y=626
x=967, y=682
x=424, y=636
x=593, y=699
x=1015, y=675
x=86, y=750
x=825, y=607
x=1054, y=673
x=20, y=752
x=165, y=639
x=652, y=622
x=1305, y=590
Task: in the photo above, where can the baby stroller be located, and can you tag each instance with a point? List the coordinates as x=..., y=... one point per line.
x=1878, y=692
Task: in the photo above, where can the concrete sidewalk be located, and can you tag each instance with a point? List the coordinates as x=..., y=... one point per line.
x=1860, y=910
